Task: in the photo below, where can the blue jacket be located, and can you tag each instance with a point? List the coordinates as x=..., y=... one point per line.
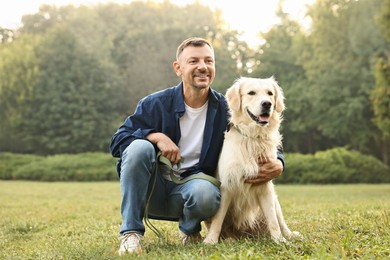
x=160, y=112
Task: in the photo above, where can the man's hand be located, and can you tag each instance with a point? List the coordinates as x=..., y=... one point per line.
x=167, y=147
x=269, y=169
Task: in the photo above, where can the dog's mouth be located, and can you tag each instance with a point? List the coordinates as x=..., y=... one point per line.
x=262, y=119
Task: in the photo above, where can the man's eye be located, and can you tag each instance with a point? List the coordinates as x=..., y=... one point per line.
x=251, y=93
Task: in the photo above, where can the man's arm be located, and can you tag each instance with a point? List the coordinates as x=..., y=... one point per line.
x=167, y=147
x=269, y=170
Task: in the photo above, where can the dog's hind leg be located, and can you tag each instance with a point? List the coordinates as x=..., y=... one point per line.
x=217, y=220
x=282, y=223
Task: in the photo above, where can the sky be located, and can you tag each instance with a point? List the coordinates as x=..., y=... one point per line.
x=240, y=14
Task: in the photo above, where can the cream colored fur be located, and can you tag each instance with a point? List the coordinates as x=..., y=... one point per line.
x=249, y=209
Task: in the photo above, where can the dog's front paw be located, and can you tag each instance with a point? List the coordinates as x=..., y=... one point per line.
x=296, y=235
x=211, y=240
x=279, y=239
x=292, y=235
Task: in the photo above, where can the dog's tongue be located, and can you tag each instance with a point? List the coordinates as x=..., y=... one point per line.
x=263, y=118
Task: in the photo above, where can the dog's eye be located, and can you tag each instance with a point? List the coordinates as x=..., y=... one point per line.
x=270, y=93
x=251, y=93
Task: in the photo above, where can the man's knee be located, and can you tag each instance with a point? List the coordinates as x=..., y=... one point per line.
x=207, y=197
x=139, y=155
x=139, y=149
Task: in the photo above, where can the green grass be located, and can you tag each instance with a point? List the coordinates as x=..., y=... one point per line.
x=73, y=220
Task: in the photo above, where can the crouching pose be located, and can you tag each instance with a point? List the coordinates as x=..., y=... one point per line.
x=184, y=123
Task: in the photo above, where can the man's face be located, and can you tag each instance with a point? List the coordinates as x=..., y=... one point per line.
x=196, y=67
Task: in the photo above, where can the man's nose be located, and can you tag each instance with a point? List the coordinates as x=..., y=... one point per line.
x=202, y=65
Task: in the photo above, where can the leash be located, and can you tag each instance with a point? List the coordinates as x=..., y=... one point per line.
x=146, y=212
x=162, y=159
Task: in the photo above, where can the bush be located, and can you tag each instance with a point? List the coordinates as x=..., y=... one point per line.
x=62, y=167
x=357, y=167
x=10, y=162
x=337, y=165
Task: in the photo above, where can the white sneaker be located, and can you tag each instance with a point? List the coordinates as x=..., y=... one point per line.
x=190, y=239
x=131, y=243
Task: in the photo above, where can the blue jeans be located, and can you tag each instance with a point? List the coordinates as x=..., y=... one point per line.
x=189, y=203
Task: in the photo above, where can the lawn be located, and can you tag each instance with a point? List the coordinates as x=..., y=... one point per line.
x=73, y=220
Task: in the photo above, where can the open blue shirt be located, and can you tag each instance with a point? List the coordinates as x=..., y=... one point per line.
x=161, y=111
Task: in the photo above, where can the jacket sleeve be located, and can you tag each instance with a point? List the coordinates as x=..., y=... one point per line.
x=280, y=156
x=136, y=126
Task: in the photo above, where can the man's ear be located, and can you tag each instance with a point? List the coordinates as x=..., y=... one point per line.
x=233, y=96
x=177, y=68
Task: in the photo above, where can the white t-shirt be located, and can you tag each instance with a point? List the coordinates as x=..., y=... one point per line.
x=192, y=125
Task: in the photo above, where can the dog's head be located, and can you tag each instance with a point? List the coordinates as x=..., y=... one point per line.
x=254, y=100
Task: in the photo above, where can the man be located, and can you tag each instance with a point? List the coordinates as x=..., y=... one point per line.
x=186, y=123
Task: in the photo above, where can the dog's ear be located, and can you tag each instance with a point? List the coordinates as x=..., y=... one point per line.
x=233, y=96
x=279, y=97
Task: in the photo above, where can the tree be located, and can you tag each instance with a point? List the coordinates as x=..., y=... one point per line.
x=339, y=69
x=380, y=98
x=90, y=67
x=145, y=46
x=47, y=17
x=19, y=73
x=6, y=35
x=279, y=56
x=75, y=101
x=380, y=95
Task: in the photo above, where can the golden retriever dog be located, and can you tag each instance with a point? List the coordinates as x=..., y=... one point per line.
x=256, y=107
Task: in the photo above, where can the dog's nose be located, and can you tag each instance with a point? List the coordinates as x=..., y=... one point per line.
x=265, y=104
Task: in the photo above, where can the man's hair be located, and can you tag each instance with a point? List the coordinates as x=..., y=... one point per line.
x=193, y=41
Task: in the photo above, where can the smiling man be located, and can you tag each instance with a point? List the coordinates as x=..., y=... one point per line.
x=186, y=124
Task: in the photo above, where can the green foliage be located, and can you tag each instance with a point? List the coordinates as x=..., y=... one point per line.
x=326, y=74
x=19, y=73
x=356, y=168
x=337, y=165
x=343, y=38
x=62, y=167
x=380, y=94
x=76, y=98
x=280, y=57
x=384, y=19
x=70, y=75
x=10, y=162
x=73, y=74
x=6, y=35
x=380, y=97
